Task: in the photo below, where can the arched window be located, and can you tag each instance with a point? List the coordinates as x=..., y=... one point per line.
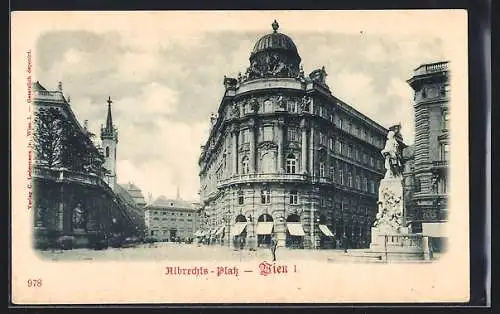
x=291, y=164
x=107, y=151
x=267, y=163
x=245, y=165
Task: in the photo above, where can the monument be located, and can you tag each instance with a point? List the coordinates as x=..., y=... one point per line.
x=390, y=237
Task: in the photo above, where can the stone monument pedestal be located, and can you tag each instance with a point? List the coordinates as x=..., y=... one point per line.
x=390, y=238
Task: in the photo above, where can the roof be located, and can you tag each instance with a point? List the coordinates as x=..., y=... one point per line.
x=275, y=40
x=164, y=202
x=37, y=86
x=134, y=192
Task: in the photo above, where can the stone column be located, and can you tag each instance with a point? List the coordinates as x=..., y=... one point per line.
x=281, y=125
x=311, y=151
x=252, y=146
x=234, y=147
x=303, y=157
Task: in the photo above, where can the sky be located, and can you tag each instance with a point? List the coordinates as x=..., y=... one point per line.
x=165, y=82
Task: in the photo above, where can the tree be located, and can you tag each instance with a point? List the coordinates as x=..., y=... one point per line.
x=61, y=143
x=49, y=137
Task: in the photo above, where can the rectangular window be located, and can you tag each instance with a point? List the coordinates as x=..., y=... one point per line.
x=322, y=138
x=265, y=196
x=340, y=147
x=294, y=198
x=291, y=164
x=331, y=144
x=349, y=177
x=241, y=197
x=365, y=184
x=445, y=151
x=358, y=183
x=349, y=151
x=341, y=123
x=293, y=135
x=445, y=120
x=332, y=172
x=267, y=133
x=371, y=161
x=321, y=169
x=341, y=176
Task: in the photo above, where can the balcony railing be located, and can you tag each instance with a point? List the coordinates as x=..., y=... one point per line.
x=62, y=174
x=431, y=68
x=48, y=95
x=439, y=164
x=268, y=177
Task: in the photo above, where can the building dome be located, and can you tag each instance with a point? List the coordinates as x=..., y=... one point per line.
x=275, y=41
x=274, y=55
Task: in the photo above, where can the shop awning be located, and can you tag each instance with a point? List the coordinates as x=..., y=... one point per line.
x=295, y=229
x=264, y=228
x=220, y=230
x=325, y=230
x=238, y=228
x=434, y=229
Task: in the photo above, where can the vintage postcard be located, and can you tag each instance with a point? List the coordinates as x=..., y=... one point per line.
x=239, y=157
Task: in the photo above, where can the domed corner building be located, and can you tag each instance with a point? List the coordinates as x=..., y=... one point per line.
x=286, y=157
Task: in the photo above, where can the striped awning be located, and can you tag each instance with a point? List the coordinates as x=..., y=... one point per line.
x=325, y=230
x=264, y=228
x=238, y=228
x=295, y=229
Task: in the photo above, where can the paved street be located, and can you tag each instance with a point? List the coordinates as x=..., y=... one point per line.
x=173, y=251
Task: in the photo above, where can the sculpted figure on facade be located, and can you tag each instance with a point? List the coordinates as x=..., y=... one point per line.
x=305, y=104
x=235, y=110
x=281, y=102
x=392, y=155
x=78, y=217
x=254, y=104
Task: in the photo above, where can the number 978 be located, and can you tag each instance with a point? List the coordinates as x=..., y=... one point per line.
x=34, y=283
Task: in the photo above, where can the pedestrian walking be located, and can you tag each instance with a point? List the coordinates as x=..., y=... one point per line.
x=274, y=245
x=345, y=243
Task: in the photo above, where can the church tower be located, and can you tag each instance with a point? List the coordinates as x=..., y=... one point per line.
x=109, y=138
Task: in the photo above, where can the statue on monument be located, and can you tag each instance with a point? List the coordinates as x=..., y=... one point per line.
x=393, y=158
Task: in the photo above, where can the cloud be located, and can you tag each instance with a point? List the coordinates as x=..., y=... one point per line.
x=164, y=86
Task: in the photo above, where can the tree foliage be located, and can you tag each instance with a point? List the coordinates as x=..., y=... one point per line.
x=61, y=143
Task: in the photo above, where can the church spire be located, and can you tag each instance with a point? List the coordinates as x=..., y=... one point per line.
x=109, y=119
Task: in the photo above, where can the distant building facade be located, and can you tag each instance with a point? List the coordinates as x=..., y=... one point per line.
x=426, y=172
x=169, y=219
x=285, y=156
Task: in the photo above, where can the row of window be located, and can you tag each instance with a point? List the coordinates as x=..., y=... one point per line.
x=171, y=219
x=265, y=197
x=155, y=212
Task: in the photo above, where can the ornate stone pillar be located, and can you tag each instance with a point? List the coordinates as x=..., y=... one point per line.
x=311, y=151
x=281, y=126
x=251, y=129
x=234, y=148
x=303, y=157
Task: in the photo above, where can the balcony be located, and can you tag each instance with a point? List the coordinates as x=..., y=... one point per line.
x=439, y=165
x=48, y=96
x=65, y=175
x=263, y=177
x=431, y=68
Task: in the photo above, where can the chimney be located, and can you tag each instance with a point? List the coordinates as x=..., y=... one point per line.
x=85, y=124
x=59, y=86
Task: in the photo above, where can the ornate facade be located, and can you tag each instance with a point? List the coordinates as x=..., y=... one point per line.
x=285, y=156
x=427, y=159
